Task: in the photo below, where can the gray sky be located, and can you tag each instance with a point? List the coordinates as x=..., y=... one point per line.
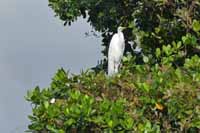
x=33, y=45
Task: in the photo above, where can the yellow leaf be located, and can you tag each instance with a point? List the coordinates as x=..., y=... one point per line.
x=159, y=106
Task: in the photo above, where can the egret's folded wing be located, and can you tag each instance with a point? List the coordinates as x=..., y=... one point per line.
x=113, y=45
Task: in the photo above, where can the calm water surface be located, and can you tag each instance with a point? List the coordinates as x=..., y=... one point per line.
x=33, y=45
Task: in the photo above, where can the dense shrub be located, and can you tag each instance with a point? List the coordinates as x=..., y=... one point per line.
x=141, y=98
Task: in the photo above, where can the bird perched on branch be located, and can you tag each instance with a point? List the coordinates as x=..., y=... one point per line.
x=116, y=51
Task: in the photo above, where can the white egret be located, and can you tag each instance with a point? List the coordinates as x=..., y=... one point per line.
x=116, y=51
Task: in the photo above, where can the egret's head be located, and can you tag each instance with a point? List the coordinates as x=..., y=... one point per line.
x=120, y=28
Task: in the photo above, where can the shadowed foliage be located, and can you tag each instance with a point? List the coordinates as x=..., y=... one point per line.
x=156, y=22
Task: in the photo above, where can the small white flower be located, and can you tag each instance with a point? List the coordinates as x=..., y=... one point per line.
x=53, y=100
x=68, y=85
x=137, y=49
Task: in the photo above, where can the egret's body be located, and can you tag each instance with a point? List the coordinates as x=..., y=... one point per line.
x=116, y=51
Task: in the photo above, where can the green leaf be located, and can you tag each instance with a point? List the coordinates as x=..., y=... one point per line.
x=158, y=52
x=193, y=40
x=196, y=25
x=167, y=49
x=178, y=73
x=179, y=44
x=46, y=104
x=52, y=129
x=148, y=125
x=69, y=122
x=110, y=123
x=129, y=123
x=145, y=59
x=186, y=40
x=29, y=95
x=61, y=131
x=146, y=87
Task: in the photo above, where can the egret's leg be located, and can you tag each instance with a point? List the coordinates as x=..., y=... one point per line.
x=117, y=67
x=111, y=67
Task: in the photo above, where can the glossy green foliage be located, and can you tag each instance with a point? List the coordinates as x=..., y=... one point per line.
x=141, y=98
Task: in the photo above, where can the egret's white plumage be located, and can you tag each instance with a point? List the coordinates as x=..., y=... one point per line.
x=116, y=51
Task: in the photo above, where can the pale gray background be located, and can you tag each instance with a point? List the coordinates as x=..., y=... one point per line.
x=33, y=45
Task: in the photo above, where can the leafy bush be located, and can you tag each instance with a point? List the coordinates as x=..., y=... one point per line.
x=141, y=98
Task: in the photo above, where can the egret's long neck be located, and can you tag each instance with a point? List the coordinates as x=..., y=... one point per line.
x=121, y=35
x=119, y=30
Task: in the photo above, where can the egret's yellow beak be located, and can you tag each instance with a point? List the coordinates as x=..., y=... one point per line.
x=120, y=28
x=123, y=28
